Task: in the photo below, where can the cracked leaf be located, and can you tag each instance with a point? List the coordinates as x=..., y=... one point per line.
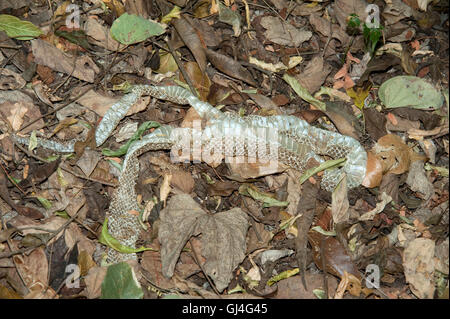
x=223, y=237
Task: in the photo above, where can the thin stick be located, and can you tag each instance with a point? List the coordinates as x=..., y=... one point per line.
x=197, y=260
x=181, y=68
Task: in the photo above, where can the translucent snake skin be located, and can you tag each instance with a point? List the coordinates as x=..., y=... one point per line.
x=282, y=138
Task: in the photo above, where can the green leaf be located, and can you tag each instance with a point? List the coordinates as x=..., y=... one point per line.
x=33, y=141
x=327, y=164
x=173, y=14
x=110, y=241
x=19, y=29
x=410, y=91
x=62, y=214
x=171, y=296
x=129, y=29
x=137, y=135
x=303, y=93
x=120, y=283
x=283, y=275
x=268, y=201
x=320, y=230
x=319, y=293
x=44, y=202
x=228, y=16
x=78, y=37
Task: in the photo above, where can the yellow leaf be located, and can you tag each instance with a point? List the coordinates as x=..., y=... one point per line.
x=174, y=13
x=359, y=95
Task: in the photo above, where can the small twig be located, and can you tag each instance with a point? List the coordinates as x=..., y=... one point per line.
x=53, y=235
x=197, y=260
x=67, y=169
x=181, y=68
x=88, y=88
x=324, y=269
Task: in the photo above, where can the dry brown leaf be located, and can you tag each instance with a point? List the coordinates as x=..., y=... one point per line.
x=419, y=264
x=85, y=262
x=374, y=171
x=88, y=161
x=418, y=181
x=339, y=202
x=282, y=33
x=230, y=67
x=82, y=68
x=242, y=168
x=222, y=188
x=93, y=281
x=100, y=35
x=151, y=262
x=199, y=79
x=33, y=267
x=10, y=80
x=100, y=103
x=165, y=188
x=337, y=260
x=314, y=74
x=343, y=9
x=257, y=232
x=223, y=237
x=182, y=180
x=192, y=40
x=19, y=113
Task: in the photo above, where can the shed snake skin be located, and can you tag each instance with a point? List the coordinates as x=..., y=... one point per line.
x=282, y=138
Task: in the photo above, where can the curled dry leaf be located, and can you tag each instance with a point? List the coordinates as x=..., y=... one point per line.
x=374, y=171
x=314, y=74
x=190, y=37
x=223, y=237
x=395, y=156
x=230, y=67
x=339, y=202
x=199, y=78
x=337, y=260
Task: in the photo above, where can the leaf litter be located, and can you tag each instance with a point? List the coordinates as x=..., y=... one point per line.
x=263, y=57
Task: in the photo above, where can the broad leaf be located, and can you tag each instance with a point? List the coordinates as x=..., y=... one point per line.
x=120, y=283
x=19, y=29
x=223, y=237
x=129, y=29
x=409, y=91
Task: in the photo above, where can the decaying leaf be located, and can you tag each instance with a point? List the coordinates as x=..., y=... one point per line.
x=337, y=260
x=82, y=67
x=395, y=156
x=314, y=74
x=230, y=67
x=374, y=171
x=199, y=79
x=418, y=181
x=223, y=237
x=339, y=202
x=418, y=264
x=284, y=33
